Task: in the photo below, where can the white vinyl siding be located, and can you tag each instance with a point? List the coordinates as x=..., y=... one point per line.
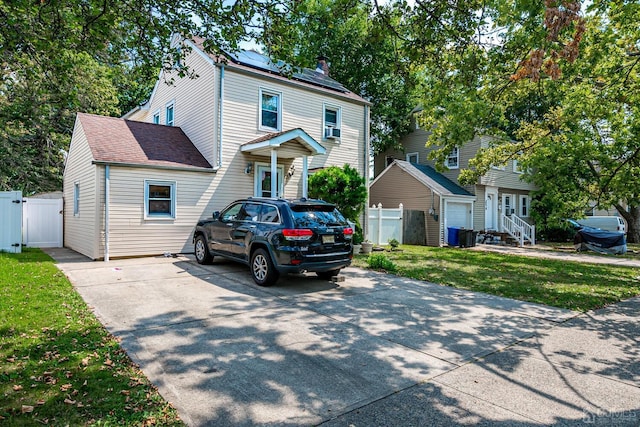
x=300, y=109
x=81, y=231
x=197, y=104
x=131, y=234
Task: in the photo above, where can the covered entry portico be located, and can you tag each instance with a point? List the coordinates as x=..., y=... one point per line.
x=291, y=144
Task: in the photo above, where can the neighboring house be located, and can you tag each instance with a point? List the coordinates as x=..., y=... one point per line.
x=134, y=188
x=499, y=196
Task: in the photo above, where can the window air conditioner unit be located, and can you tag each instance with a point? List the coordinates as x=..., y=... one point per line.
x=331, y=133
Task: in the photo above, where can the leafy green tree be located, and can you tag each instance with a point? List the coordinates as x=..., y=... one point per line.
x=64, y=56
x=558, y=91
x=343, y=187
x=364, y=54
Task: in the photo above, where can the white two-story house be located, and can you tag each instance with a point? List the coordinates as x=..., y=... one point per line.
x=493, y=203
x=137, y=185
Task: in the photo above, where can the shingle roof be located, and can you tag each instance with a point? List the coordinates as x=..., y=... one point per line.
x=115, y=140
x=434, y=179
x=321, y=83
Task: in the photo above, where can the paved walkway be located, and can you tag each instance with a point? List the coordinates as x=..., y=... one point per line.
x=539, y=251
x=374, y=350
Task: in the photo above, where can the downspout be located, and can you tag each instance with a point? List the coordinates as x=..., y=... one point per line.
x=106, y=212
x=220, y=117
x=367, y=149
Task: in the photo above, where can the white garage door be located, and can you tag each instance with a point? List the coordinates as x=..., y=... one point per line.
x=458, y=214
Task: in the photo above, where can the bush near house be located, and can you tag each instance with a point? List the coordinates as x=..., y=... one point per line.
x=343, y=187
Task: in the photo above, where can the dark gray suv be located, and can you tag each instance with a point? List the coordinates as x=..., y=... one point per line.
x=276, y=236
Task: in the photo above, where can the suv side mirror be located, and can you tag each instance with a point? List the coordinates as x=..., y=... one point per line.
x=216, y=215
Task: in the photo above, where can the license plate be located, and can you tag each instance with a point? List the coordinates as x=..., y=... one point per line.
x=328, y=238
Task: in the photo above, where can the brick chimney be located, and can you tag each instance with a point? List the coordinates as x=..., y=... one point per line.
x=322, y=66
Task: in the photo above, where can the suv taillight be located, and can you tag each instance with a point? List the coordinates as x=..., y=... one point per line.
x=297, y=233
x=348, y=233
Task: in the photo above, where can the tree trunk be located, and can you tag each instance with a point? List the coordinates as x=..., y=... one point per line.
x=632, y=216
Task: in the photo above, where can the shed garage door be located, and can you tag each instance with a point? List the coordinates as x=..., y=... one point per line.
x=458, y=214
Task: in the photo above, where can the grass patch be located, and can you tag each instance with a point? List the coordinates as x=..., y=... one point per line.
x=58, y=365
x=572, y=285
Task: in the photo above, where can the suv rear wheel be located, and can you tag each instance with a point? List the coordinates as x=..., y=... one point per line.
x=202, y=253
x=262, y=269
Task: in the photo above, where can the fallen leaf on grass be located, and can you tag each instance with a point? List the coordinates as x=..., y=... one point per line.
x=65, y=387
x=70, y=402
x=26, y=409
x=17, y=387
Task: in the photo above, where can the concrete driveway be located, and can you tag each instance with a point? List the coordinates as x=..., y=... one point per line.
x=374, y=349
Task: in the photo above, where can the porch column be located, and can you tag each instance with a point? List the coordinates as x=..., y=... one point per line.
x=274, y=173
x=305, y=176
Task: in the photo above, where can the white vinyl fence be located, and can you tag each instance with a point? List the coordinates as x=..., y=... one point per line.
x=10, y=221
x=385, y=224
x=42, y=223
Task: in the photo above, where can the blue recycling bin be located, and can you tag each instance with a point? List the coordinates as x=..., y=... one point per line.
x=453, y=236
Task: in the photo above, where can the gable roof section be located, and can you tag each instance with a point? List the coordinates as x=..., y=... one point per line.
x=290, y=144
x=127, y=142
x=251, y=62
x=433, y=179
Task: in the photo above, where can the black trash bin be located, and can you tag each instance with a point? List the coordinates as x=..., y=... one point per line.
x=474, y=238
x=465, y=237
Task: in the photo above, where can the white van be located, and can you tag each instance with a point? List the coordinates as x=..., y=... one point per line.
x=609, y=223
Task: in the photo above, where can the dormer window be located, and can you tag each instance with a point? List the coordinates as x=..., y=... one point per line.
x=453, y=159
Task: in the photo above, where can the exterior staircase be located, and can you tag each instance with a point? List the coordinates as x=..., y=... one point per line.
x=520, y=230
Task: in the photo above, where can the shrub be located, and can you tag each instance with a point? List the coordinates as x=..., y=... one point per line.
x=381, y=262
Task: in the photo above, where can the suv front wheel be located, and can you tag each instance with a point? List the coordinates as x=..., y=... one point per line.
x=262, y=269
x=202, y=252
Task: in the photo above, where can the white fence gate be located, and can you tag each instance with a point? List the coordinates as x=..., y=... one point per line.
x=11, y=221
x=42, y=223
x=385, y=224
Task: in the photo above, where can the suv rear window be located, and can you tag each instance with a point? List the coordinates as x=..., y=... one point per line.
x=317, y=216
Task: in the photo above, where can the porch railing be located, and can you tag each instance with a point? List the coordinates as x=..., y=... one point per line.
x=518, y=229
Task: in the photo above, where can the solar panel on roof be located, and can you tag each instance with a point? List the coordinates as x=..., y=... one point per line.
x=256, y=60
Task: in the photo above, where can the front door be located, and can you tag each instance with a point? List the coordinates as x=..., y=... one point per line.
x=491, y=205
x=263, y=181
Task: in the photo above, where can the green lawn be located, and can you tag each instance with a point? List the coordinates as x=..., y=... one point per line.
x=58, y=365
x=571, y=285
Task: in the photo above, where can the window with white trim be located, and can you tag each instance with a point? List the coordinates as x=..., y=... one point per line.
x=453, y=159
x=159, y=199
x=332, y=122
x=169, y=111
x=270, y=110
x=156, y=117
x=524, y=206
x=412, y=157
x=76, y=198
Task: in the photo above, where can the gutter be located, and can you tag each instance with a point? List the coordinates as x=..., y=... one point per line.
x=148, y=166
